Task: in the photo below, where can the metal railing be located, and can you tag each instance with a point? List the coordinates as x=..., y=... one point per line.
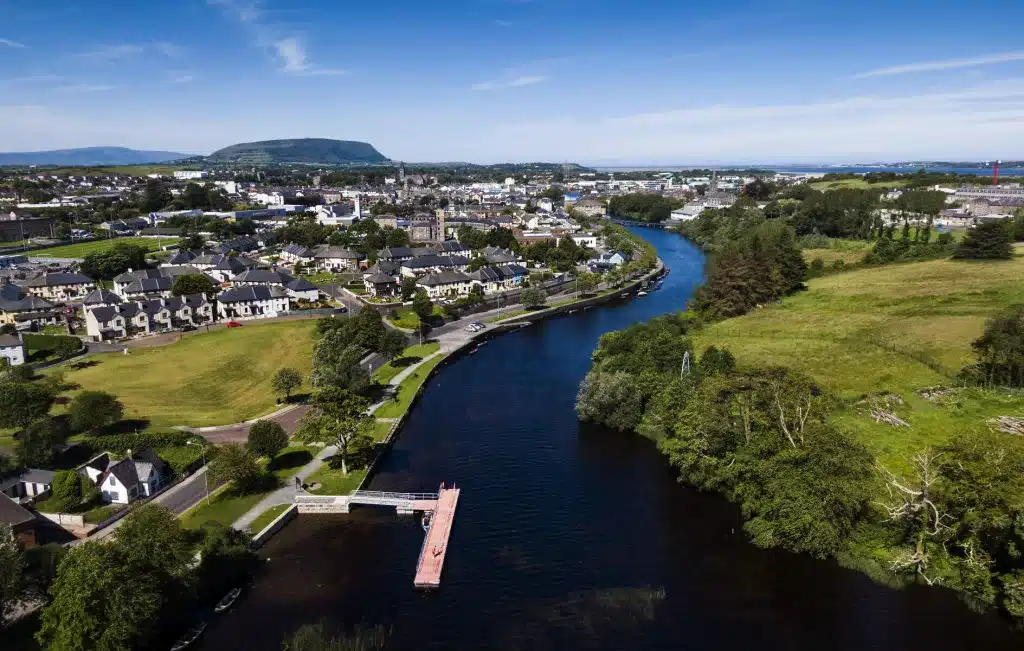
x=383, y=496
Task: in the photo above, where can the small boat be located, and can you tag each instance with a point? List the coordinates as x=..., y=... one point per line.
x=623, y=295
x=641, y=293
x=227, y=601
x=190, y=636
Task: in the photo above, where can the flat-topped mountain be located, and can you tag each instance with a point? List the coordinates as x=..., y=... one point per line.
x=302, y=150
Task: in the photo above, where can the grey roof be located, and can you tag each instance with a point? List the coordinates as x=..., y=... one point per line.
x=57, y=279
x=150, y=285
x=500, y=257
x=337, y=252
x=380, y=279
x=8, y=341
x=147, y=463
x=125, y=472
x=262, y=276
x=37, y=476
x=300, y=285
x=434, y=260
x=100, y=297
x=383, y=267
x=12, y=513
x=251, y=293
x=182, y=257
x=237, y=264
x=25, y=304
x=452, y=246
x=138, y=274
x=298, y=250
x=445, y=277
x=394, y=253
x=500, y=272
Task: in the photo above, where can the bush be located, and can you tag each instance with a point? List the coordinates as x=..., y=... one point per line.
x=50, y=342
x=986, y=241
x=267, y=438
x=91, y=410
x=72, y=491
x=121, y=443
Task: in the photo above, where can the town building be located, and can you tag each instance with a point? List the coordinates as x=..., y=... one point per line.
x=23, y=310
x=334, y=259
x=12, y=349
x=21, y=521
x=112, y=322
x=446, y=283
x=253, y=301
x=138, y=475
x=60, y=286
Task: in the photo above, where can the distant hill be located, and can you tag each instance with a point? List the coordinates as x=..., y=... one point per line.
x=89, y=156
x=302, y=150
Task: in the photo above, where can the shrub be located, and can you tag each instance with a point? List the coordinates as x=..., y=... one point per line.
x=266, y=438
x=49, y=342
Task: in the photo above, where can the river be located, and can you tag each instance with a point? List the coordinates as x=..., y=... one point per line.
x=569, y=536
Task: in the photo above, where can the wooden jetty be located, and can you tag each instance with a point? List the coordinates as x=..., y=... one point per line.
x=435, y=544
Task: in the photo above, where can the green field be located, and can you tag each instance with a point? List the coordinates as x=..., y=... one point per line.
x=82, y=249
x=213, y=378
x=406, y=391
x=855, y=184
x=898, y=329
x=409, y=356
x=268, y=516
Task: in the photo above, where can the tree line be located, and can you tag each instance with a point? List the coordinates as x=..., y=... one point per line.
x=763, y=437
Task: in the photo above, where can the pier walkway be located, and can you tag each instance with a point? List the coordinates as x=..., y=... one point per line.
x=435, y=544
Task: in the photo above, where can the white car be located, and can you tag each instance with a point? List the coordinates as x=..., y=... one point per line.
x=471, y=328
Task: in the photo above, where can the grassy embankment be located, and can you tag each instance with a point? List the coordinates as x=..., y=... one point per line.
x=855, y=184
x=896, y=329
x=406, y=318
x=331, y=481
x=853, y=251
x=411, y=355
x=227, y=505
x=82, y=249
x=214, y=378
x=268, y=516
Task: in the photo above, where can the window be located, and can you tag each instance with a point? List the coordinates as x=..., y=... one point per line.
x=113, y=481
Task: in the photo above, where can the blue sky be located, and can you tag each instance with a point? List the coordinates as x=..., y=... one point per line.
x=596, y=81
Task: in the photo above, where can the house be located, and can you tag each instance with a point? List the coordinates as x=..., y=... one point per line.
x=446, y=283
x=110, y=322
x=12, y=349
x=588, y=240
x=253, y=300
x=158, y=282
x=223, y=267
x=606, y=260
x=494, y=255
x=434, y=263
x=338, y=215
x=100, y=298
x=590, y=207
x=297, y=288
x=383, y=267
x=243, y=244
x=27, y=485
x=335, y=258
x=125, y=226
x=301, y=289
x=380, y=284
x=295, y=253
x=499, y=278
x=138, y=475
x=19, y=308
x=21, y=521
x=60, y=286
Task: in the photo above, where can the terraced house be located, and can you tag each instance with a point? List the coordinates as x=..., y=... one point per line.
x=23, y=310
x=60, y=286
x=128, y=319
x=253, y=301
x=153, y=283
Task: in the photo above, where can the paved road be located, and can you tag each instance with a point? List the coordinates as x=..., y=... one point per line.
x=177, y=499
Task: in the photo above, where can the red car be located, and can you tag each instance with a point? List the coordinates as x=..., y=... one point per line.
x=233, y=324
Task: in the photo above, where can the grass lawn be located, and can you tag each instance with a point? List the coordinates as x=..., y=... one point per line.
x=407, y=389
x=849, y=251
x=82, y=249
x=268, y=516
x=855, y=184
x=212, y=378
x=409, y=356
x=406, y=318
x=897, y=328
x=325, y=278
x=381, y=429
x=227, y=506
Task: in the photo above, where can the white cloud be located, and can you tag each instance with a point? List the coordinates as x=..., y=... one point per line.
x=287, y=48
x=948, y=64
x=525, y=80
x=9, y=43
x=182, y=79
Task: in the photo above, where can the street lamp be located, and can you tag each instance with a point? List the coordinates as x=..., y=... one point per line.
x=206, y=471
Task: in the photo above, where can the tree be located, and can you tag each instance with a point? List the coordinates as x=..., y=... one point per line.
x=154, y=542
x=408, y=287
x=67, y=346
x=72, y=490
x=12, y=563
x=317, y=637
x=23, y=402
x=587, y=282
x=91, y=410
x=422, y=306
x=285, y=381
x=227, y=559
x=114, y=261
x=191, y=284
x=336, y=363
x=267, y=438
x=100, y=600
x=39, y=443
x=191, y=241
x=1000, y=350
x=341, y=418
x=236, y=464
x=8, y=329
x=533, y=297
x=990, y=240
x=393, y=344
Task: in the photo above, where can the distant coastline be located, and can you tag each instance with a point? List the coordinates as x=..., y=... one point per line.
x=824, y=169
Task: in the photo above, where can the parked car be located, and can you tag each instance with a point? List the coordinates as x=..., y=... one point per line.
x=341, y=310
x=471, y=328
x=233, y=324
x=188, y=328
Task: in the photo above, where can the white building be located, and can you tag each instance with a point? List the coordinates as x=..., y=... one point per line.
x=12, y=349
x=188, y=175
x=253, y=301
x=588, y=240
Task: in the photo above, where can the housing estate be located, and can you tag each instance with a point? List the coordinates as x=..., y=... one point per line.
x=60, y=286
x=144, y=317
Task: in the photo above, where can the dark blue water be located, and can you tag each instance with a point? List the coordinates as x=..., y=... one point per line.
x=570, y=536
